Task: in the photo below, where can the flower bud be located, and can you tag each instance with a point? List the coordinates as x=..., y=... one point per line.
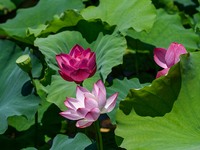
x=24, y=62
x=166, y=58
x=78, y=65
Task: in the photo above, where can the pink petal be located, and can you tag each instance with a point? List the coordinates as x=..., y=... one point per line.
x=59, y=60
x=101, y=99
x=162, y=72
x=80, y=91
x=65, y=76
x=83, y=64
x=110, y=103
x=98, y=85
x=93, y=71
x=90, y=115
x=170, y=55
x=79, y=75
x=92, y=62
x=86, y=53
x=95, y=90
x=76, y=51
x=83, y=123
x=67, y=68
x=62, y=59
x=93, y=115
x=173, y=53
x=90, y=101
x=82, y=112
x=73, y=103
x=159, y=57
x=70, y=114
x=66, y=58
x=99, y=91
x=73, y=62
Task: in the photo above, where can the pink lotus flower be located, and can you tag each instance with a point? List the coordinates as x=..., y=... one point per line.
x=78, y=65
x=167, y=58
x=87, y=106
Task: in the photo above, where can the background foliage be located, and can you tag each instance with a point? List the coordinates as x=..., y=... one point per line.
x=150, y=113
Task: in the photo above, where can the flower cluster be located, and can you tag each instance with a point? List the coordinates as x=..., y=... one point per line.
x=80, y=64
x=77, y=66
x=167, y=58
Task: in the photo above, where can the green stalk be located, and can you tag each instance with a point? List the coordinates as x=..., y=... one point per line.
x=36, y=116
x=36, y=130
x=98, y=136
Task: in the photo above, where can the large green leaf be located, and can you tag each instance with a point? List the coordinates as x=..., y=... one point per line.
x=138, y=14
x=79, y=142
x=166, y=29
x=178, y=129
x=109, y=51
x=32, y=18
x=155, y=99
x=12, y=103
x=59, y=90
x=122, y=92
x=21, y=123
x=66, y=19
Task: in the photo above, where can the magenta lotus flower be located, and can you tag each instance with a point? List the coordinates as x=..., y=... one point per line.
x=87, y=106
x=78, y=65
x=167, y=58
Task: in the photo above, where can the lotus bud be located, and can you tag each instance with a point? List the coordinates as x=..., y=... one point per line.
x=24, y=62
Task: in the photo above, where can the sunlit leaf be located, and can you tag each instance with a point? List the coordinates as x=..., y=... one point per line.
x=32, y=18
x=138, y=14
x=109, y=52
x=167, y=29
x=66, y=19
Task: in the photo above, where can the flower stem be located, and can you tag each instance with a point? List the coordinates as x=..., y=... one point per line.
x=98, y=136
x=36, y=129
x=81, y=84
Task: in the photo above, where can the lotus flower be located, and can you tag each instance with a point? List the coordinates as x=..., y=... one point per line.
x=167, y=58
x=78, y=65
x=87, y=106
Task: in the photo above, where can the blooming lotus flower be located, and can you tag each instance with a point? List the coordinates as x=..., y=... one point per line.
x=78, y=65
x=167, y=58
x=87, y=106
